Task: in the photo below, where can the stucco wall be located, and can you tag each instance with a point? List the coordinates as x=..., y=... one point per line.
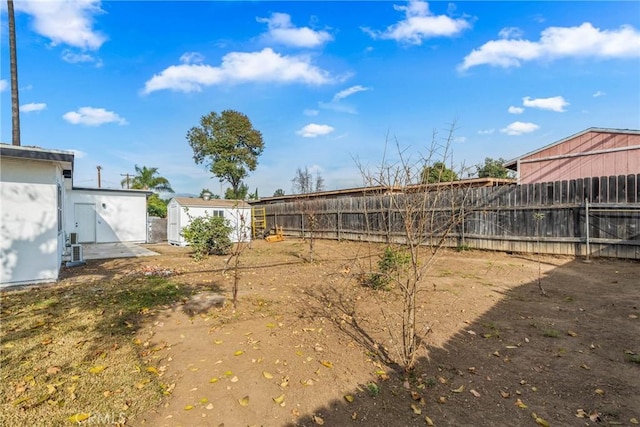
x=119, y=216
x=30, y=244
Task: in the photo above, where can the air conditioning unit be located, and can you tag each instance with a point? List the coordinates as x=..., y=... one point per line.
x=74, y=238
x=76, y=253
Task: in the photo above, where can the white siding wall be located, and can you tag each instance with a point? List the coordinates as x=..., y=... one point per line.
x=178, y=218
x=120, y=216
x=30, y=244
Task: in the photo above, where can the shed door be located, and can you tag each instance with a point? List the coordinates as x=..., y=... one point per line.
x=85, y=226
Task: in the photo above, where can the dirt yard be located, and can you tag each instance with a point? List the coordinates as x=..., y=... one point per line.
x=306, y=344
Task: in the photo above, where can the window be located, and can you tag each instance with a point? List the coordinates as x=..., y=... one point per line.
x=217, y=213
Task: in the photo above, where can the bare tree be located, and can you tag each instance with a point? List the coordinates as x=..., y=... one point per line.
x=419, y=219
x=242, y=242
x=304, y=182
x=13, y=58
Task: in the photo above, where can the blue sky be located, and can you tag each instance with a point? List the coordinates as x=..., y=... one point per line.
x=120, y=83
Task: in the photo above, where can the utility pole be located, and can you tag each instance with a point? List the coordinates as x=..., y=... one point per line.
x=99, y=181
x=127, y=175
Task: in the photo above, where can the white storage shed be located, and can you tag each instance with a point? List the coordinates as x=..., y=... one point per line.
x=181, y=209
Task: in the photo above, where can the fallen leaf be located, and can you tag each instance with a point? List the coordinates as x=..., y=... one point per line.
x=520, y=404
x=214, y=380
x=584, y=366
x=505, y=394
x=580, y=413
x=540, y=421
x=234, y=379
x=415, y=409
x=97, y=369
x=188, y=407
x=442, y=380
x=244, y=401
x=442, y=399
x=599, y=391
x=285, y=381
x=594, y=416
x=78, y=418
x=218, y=342
x=204, y=400
x=354, y=416
x=415, y=395
x=572, y=333
x=348, y=398
x=209, y=406
x=634, y=421
x=267, y=375
x=279, y=400
x=475, y=393
x=53, y=370
x=153, y=370
x=238, y=353
x=458, y=390
x=318, y=420
x=326, y=363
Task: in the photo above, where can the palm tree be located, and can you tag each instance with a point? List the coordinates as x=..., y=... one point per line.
x=15, y=103
x=146, y=179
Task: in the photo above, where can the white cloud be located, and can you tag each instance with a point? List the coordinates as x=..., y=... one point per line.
x=66, y=22
x=598, y=94
x=28, y=108
x=584, y=41
x=313, y=130
x=486, y=131
x=282, y=31
x=77, y=153
x=516, y=110
x=74, y=58
x=520, y=128
x=265, y=66
x=419, y=24
x=510, y=33
x=349, y=91
x=192, y=58
x=4, y=85
x=90, y=116
x=311, y=112
x=556, y=103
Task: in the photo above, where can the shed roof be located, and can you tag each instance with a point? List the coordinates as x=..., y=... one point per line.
x=211, y=203
x=513, y=163
x=385, y=189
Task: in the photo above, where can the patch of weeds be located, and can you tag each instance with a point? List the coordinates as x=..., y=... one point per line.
x=373, y=389
x=633, y=358
x=568, y=299
x=551, y=333
x=430, y=382
x=462, y=248
x=391, y=263
x=490, y=325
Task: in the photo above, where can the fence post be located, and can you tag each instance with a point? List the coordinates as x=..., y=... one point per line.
x=586, y=221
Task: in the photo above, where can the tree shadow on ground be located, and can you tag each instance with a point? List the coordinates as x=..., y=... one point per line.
x=561, y=359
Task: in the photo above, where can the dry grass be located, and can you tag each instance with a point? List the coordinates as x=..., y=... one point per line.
x=71, y=349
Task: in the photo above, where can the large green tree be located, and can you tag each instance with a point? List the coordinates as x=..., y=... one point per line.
x=493, y=168
x=437, y=172
x=147, y=179
x=228, y=144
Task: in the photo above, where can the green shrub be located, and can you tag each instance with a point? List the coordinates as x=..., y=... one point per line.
x=208, y=235
x=391, y=262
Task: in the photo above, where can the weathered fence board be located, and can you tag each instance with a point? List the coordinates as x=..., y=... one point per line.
x=544, y=217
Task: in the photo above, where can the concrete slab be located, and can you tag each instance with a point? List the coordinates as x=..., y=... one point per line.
x=115, y=250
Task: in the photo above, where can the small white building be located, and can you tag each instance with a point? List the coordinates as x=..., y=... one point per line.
x=40, y=211
x=180, y=210
x=103, y=215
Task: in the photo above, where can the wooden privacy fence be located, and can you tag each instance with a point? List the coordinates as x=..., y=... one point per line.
x=589, y=217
